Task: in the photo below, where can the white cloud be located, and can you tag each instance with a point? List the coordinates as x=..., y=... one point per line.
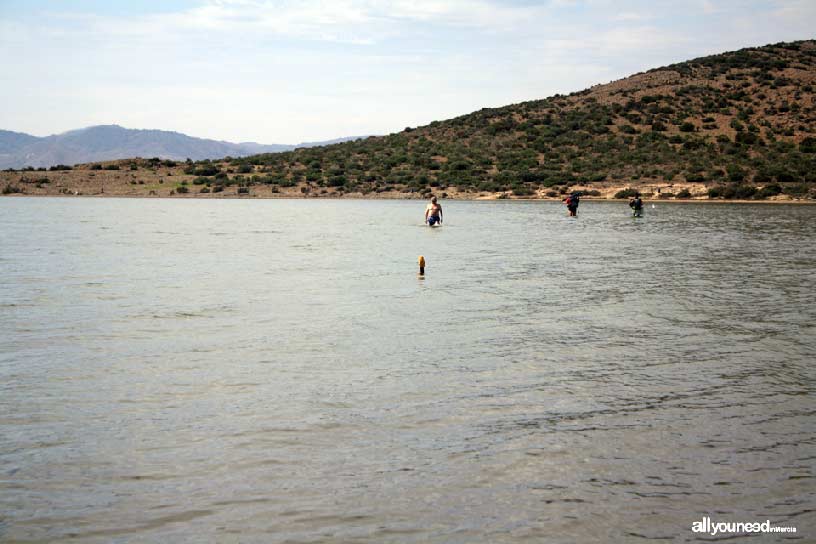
x=799, y=14
x=286, y=70
x=345, y=21
x=709, y=7
x=632, y=16
x=640, y=39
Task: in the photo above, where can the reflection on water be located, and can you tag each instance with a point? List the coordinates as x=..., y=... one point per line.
x=274, y=371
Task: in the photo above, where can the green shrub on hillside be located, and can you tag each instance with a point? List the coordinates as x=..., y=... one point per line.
x=204, y=170
x=769, y=190
x=627, y=193
x=716, y=191
x=796, y=189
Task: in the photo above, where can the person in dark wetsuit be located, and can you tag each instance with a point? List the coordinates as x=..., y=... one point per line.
x=637, y=206
x=572, y=202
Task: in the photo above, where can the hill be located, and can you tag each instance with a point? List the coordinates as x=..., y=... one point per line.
x=728, y=119
x=740, y=125
x=110, y=142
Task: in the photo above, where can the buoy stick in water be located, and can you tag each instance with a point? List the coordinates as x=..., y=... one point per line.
x=421, y=265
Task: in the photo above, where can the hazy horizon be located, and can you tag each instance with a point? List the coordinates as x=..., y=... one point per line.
x=289, y=72
x=80, y=129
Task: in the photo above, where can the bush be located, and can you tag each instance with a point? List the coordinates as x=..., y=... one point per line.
x=11, y=189
x=206, y=170
x=521, y=190
x=716, y=192
x=684, y=193
x=112, y=167
x=746, y=138
x=687, y=127
x=626, y=193
x=744, y=192
x=796, y=190
x=739, y=192
x=735, y=173
x=769, y=190
x=61, y=167
x=182, y=189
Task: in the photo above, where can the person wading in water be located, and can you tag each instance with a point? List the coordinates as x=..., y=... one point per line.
x=637, y=206
x=572, y=204
x=433, y=213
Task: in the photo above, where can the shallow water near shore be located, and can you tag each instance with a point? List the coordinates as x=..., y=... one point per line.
x=276, y=371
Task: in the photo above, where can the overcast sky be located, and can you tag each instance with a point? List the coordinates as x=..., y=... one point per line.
x=290, y=71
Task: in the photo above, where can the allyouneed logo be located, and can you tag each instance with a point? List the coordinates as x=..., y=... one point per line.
x=723, y=527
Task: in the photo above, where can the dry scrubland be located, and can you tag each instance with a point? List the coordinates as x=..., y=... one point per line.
x=735, y=126
x=158, y=180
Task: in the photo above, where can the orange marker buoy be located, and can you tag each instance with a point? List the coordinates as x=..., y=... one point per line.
x=421, y=265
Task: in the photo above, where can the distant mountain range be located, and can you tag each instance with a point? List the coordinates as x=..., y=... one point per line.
x=111, y=142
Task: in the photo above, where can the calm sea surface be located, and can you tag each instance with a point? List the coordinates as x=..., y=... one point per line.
x=275, y=371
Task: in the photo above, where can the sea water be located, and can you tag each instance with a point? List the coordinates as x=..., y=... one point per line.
x=277, y=371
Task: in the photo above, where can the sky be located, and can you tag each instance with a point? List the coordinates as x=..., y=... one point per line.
x=290, y=71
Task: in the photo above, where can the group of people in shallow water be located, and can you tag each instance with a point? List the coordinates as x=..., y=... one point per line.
x=572, y=201
x=433, y=211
